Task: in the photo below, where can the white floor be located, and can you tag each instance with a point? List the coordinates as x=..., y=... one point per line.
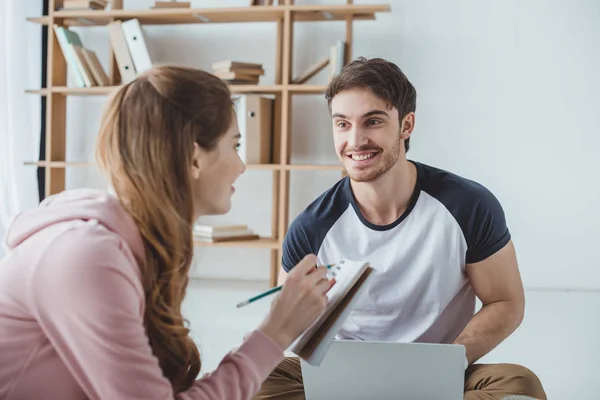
x=559, y=338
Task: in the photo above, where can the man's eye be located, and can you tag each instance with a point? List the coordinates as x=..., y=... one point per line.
x=373, y=122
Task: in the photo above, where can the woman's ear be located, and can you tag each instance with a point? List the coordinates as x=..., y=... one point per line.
x=196, y=161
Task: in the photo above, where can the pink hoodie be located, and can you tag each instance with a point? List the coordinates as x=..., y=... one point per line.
x=71, y=312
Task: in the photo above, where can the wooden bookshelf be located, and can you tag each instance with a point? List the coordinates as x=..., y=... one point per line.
x=297, y=13
x=266, y=167
x=284, y=15
x=238, y=89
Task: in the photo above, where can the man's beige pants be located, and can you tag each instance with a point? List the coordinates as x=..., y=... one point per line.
x=482, y=381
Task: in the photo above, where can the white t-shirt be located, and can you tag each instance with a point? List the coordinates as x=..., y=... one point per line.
x=419, y=291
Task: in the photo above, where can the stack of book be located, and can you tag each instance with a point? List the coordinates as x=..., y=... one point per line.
x=171, y=4
x=223, y=233
x=238, y=72
x=84, y=4
x=128, y=43
x=84, y=66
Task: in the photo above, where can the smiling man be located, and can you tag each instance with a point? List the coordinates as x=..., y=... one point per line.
x=435, y=239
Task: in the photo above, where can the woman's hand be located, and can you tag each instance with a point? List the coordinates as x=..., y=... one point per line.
x=301, y=301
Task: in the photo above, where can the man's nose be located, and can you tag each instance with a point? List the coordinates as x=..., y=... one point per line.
x=357, y=137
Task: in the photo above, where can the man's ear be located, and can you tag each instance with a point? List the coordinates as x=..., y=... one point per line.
x=407, y=125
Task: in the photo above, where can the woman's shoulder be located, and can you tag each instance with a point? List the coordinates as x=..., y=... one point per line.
x=85, y=252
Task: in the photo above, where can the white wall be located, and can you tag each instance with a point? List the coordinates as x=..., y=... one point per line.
x=19, y=111
x=508, y=95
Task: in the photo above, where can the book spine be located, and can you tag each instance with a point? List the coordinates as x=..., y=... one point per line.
x=69, y=54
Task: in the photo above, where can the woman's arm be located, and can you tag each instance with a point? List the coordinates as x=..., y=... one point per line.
x=87, y=296
x=240, y=366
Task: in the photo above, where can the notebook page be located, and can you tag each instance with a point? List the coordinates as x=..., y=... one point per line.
x=345, y=273
x=316, y=348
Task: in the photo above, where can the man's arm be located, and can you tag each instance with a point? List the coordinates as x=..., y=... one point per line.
x=496, y=281
x=299, y=241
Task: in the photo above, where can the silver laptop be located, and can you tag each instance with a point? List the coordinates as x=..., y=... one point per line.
x=354, y=369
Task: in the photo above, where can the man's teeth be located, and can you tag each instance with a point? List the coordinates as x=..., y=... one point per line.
x=361, y=157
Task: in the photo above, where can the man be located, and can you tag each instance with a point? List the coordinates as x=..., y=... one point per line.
x=436, y=240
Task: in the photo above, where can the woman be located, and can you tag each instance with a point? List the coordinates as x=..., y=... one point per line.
x=91, y=290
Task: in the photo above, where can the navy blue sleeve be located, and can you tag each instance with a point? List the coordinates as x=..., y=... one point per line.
x=296, y=243
x=308, y=230
x=474, y=207
x=486, y=231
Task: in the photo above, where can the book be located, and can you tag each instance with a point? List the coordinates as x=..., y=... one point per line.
x=84, y=5
x=311, y=71
x=254, y=113
x=84, y=70
x=212, y=239
x=233, y=64
x=238, y=72
x=337, y=56
x=171, y=4
x=313, y=343
x=136, y=43
x=245, y=71
x=223, y=233
x=65, y=38
x=236, y=75
x=261, y=3
x=209, y=229
x=121, y=51
x=95, y=67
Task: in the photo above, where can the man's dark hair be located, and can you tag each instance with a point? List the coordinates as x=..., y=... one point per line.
x=383, y=78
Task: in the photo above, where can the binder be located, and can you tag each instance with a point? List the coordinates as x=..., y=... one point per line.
x=341, y=56
x=337, y=56
x=134, y=36
x=255, y=115
x=121, y=50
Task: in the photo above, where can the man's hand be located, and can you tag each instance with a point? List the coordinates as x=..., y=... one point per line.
x=496, y=281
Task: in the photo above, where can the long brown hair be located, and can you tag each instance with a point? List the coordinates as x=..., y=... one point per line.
x=145, y=145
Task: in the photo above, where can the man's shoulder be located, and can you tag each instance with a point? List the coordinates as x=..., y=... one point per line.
x=475, y=208
x=325, y=209
x=308, y=230
x=451, y=189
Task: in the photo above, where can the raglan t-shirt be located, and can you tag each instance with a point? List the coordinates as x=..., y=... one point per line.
x=419, y=290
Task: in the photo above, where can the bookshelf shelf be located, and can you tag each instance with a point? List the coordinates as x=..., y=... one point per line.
x=58, y=164
x=54, y=163
x=256, y=88
x=307, y=89
x=261, y=243
x=312, y=167
x=236, y=89
x=266, y=167
x=298, y=13
x=45, y=20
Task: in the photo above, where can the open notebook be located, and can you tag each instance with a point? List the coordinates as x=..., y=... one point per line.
x=350, y=277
